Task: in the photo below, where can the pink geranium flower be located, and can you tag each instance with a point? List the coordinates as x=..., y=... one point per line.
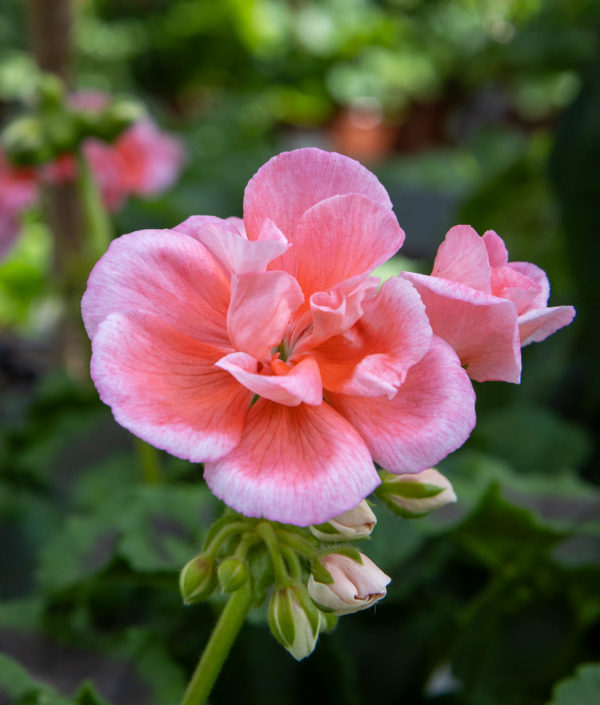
x=486, y=307
x=265, y=349
x=142, y=161
x=18, y=191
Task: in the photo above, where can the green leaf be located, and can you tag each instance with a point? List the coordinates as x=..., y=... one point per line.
x=581, y=689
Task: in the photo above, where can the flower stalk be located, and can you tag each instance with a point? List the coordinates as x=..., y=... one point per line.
x=219, y=645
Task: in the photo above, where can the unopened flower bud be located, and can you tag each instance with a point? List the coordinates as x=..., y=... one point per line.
x=416, y=495
x=356, y=523
x=294, y=621
x=355, y=585
x=197, y=580
x=232, y=574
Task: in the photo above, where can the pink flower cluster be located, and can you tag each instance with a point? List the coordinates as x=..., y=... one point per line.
x=143, y=161
x=265, y=348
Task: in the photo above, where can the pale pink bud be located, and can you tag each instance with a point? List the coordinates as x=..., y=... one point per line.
x=414, y=495
x=356, y=523
x=355, y=585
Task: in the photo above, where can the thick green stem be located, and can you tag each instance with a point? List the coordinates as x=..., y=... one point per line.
x=218, y=647
x=149, y=462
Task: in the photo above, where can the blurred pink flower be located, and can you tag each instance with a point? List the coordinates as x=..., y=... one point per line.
x=142, y=161
x=486, y=307
x=192, y=325
x=18, y=191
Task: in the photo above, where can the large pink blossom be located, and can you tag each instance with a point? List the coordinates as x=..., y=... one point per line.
x=265, y=349
x=18, y=191
x=486, y=307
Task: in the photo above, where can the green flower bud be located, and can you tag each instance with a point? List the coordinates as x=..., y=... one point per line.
x=294, y=621
x=24, y=141
x=415, y=495
x=232, y=574
x=197, y=580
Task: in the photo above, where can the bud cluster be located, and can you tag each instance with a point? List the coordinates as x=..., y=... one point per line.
x=56, y=124
x=314, y=575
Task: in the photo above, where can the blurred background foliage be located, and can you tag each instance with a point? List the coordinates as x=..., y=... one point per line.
x=478, y=111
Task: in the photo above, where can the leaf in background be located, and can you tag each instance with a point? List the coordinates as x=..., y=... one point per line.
x=581, y=689
x=532, y=439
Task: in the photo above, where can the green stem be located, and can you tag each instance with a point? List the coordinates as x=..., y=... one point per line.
x=218, y=647
x=226, y=532
x=267, y=534
x=96, y=219
x=149, y=461
x=298, y=543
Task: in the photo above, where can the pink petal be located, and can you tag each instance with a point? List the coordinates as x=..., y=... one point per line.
x=164, y=273
x=508, y=283
x=290, y=183
x=481, y=328
x=538, y=279
x=496, y=249
x=152, y=158
x=373, y=357
x=340, y=238
x=229, y=246
x=463, y=257
x=109, y=172
x=537, y=325
x=260, y=309
x=164, y=387
x=295, y=464
x=301, y=384
x=432, y=414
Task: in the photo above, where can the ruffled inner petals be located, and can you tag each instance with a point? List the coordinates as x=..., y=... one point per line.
x=260, y=310
x=373, y=357
x=289, y=385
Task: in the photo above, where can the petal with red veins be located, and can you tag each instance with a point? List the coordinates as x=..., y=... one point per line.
x=342, y=237
x=164, y=273
x=295, y=464
x=432, y=414
x=481, y=328
x=463, y=257
x=229, y=246
x=374, y=356
x=301, y=384
x=292, y=182
x=262, y=304
x=537, y=325
x=164, y=387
